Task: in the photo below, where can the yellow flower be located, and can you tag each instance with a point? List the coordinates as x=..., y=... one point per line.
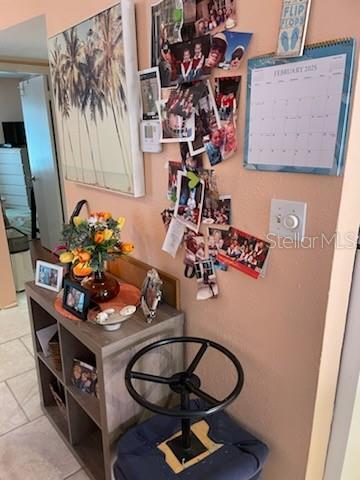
x=66, y=257
x=121, y=222
x=77, y=221
x=108, y=234
x=127, y=247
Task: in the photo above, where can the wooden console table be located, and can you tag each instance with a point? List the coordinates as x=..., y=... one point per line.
x=91, y=426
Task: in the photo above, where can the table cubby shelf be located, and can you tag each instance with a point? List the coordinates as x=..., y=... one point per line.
x=89, y=425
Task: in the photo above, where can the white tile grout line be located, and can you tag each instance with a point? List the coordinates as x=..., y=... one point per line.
x=14, y=339
x=18, y=403
x=71, y=474
x=28, y=349
x=18, y=375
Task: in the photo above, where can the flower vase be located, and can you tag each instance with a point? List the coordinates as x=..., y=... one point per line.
x=102, y=286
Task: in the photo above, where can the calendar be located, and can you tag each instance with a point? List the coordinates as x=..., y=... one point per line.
x=297, y=110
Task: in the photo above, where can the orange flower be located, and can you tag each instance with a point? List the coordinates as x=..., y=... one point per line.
x=82, y=269
x=99, y=237
x=84, y=256
x=104, y=215
x=127, y=247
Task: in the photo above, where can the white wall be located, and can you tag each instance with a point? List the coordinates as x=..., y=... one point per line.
x=10, y=105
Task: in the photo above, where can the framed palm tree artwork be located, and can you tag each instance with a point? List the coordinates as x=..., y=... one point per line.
x=96, y=94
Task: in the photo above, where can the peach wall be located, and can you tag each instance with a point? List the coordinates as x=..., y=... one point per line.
x=7, y=289
x=276, y=325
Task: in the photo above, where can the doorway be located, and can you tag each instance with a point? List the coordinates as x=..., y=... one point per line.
x=30, y=187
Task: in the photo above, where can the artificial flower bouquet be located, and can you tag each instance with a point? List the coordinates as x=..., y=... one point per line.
x=90, y=242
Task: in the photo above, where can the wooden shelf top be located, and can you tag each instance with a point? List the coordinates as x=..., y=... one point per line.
x=94, y=336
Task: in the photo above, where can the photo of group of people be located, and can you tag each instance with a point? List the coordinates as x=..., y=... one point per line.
x=206, y=120
x=222, y=142
x=227, y=92
x=212, y=15
x=219, y=212
x=189, y=202
x=84, y=377
x=189, y=60
x=183, y=100
x=243, y=251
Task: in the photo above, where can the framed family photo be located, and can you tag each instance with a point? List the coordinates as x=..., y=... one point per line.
x=49, y=276
x=76, y=299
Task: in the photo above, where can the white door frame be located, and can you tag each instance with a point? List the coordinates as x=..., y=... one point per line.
x=349, y=377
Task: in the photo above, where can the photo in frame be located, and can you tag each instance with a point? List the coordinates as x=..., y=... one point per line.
x=76, y=299
x=94, y=105
x=49, y=276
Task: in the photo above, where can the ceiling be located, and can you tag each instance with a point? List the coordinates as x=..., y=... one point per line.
x=27, y=40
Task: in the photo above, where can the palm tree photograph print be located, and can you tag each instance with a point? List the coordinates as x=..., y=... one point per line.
x=89, y=81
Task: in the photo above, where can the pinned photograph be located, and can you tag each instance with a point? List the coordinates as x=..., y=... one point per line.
x=189, y=59
x=188, y=28
x=243, y=252
x=214, y=16
x=218, y=211
x=217, y=51
x=190, y=198
x=215, y=244
x=183, y=100
x=227, y=92
x=206, y=120
x=189, y=161
x=174, y=167
x=166, y=24
x=236, y=46
x=194, y=251
x=150, y=92
x=166, y=216
x=206, y=280
x=175, y=128
x=214, y=146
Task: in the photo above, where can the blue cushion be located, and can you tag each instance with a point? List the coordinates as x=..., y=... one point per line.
x=241, y=458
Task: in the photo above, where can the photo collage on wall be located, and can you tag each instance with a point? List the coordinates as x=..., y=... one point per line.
x=196, y=54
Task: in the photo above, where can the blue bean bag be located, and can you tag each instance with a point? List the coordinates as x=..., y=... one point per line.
x=241, y=458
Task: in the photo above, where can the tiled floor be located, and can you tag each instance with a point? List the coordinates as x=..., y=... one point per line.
x=30, y=448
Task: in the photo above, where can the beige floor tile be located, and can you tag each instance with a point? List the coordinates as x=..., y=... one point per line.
x=14, y=359
x=25, y=389
x=79, y=476
x=11, y=415
x=35, y=452
x=14, y=323
x=27, y=341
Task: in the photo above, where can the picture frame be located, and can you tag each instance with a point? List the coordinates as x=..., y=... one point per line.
x=76, y=299
x=49, y=276
x=151, y=294
x=93, y=110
